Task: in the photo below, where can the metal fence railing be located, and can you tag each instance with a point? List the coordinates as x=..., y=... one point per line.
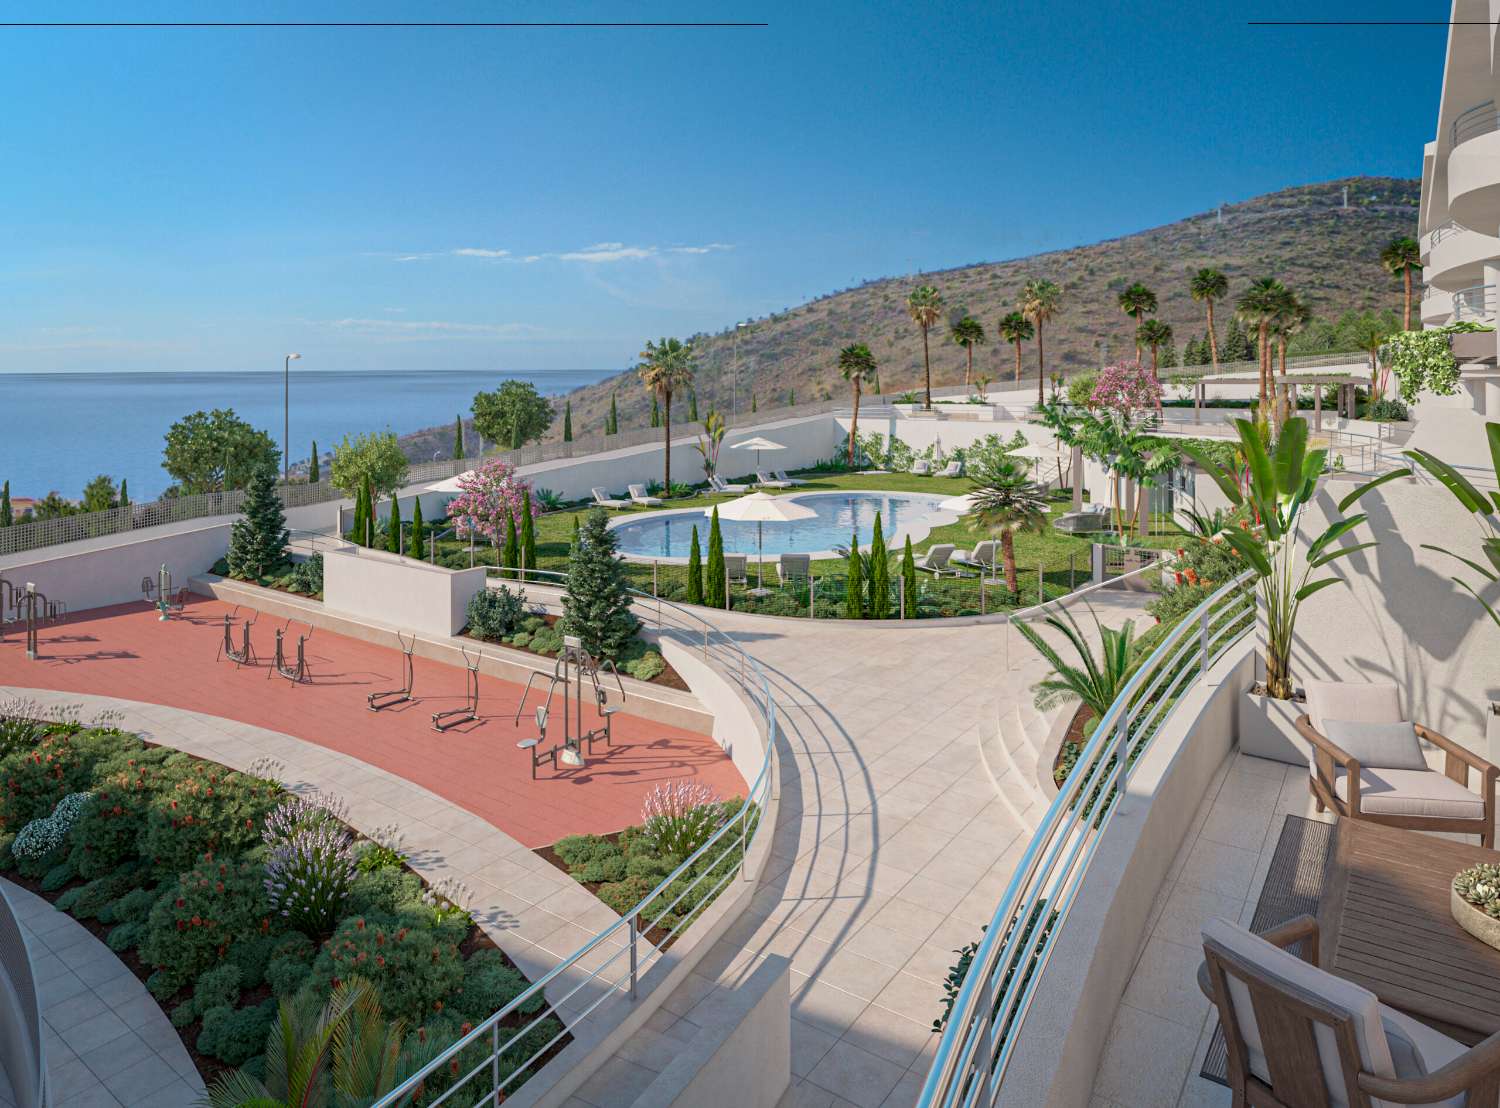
x=489, y=1063
x=1475, y=303
x=1481, y=119
x=1441, y=232
x=22, y=1045
x=979, y=1038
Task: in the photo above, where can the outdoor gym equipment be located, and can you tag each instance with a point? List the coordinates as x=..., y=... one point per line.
x=245, y=654
x=573, y=665
x=469, y=713
x=296, y=674
x=38, y=610
x=378, y=700
x=159, y=593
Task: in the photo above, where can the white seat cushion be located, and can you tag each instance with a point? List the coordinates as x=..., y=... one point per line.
x=1433, y=1050
x=1410, y=792
x=1377, y=745
x=1358, y=702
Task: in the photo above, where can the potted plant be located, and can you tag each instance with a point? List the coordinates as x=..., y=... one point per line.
x=1282, y=479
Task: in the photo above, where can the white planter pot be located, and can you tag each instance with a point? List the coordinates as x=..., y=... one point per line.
x=1268, y=729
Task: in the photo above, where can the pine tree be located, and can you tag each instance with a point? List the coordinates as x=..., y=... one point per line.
x=692, y=405
x=909, y=579
x=573, y=543
x=458, y=437
x=716, y=588
x=568, y=420
x=7, y=513
x=1237, y=346
x=257, y=541
x=612, y=424
x=367, y=534
x=1190, y=352
x=528, y=532
x=880, y=575
x=1168, y=357
x=596, y=603
x=393, y=527
x=510, y=553
x=694, y=571
x=124, y=493
x=854, y=583
x=313, y=474
x=418, y=532
x=655, y=412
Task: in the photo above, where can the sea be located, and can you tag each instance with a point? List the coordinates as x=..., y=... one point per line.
x=60, y=430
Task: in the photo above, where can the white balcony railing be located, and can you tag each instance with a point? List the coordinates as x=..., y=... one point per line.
x=1474, y=304
x=1481, y=119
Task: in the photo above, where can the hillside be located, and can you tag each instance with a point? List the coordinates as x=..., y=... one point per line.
x=1303, y=236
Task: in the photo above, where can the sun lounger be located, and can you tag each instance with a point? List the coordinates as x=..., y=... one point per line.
x=638, y=496
x=983, y=556
x=718, y=484
x=770, y=482
x=780, y=475
x=602, y=498
x=935, y=561
x=735, y=568
x=921, y=468
x=794, y=568
x=952, y=469
x=1090, y=519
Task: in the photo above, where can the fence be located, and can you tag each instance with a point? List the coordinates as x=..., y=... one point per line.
x=979, y=1038
x=492, y=1060
x=22, y=1055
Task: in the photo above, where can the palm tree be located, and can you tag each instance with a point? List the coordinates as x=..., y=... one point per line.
x=1004, y=501
x=1370, y=331
x=1137, y=301
x=1039, y=304
x=1096, y=681
x=857, y=365
x=1209, y=285
x=1257, y=307
x=968, y=332
x=1154, y=333
x=1400, y=256
x=1292, y=316
x=925, y=306
x=1016, y=328
x=666, y=366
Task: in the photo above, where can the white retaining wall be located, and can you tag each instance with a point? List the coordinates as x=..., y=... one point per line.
x=373, y=585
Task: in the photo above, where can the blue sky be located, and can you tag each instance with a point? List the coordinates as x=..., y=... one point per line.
x=549, y=198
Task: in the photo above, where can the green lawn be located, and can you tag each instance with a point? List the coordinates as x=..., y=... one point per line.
x=1063, y=558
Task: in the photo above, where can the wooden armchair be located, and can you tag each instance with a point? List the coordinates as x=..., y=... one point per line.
x=1299, y=1037
x=1399, y=791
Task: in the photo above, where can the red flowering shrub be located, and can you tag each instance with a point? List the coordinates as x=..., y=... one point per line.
x=206, y=809
x=412, y=968
x=34, y=779
x=197, y=918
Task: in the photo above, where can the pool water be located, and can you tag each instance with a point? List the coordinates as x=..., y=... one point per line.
x=839, y=515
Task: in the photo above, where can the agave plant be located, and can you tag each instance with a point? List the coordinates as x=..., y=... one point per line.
x=1282, y=480
x=1096, y=680
x=1481, y=505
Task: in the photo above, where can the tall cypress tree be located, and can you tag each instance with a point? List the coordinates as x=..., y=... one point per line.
x=7, y=513
x=314, y=475
x=612, y=424
x=568, y=420
x=655, y=412
x=371, y=516
x=573, y=543
x=880, y=575
x=510, y=553
x=357, y=526
x=515, y=435
x=124, y=493
x=909, y=579
x=753, y=402
x=393, y=527
x=528, y=532
x=257, y=541
x=418, y=532
x=694, y=571
x=692, y=405
x=716, y=588
x=596, y=602
x=791, y=398
x=854, y=583
x=458, y=437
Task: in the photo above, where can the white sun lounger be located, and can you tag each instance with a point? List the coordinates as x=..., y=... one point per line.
x=735, y=568
x=718, y=484
x=780, y=475
x=921, y=468
x=638, y=496
x=935, y=561
x=794, y=567
x=603, y=499
x=983, y=556
x=952, y=469
x=770, y=482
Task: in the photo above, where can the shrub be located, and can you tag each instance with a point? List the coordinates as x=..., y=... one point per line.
x=133, y=907
x=44, y=837
x=206, y=810
x=370, y=856
x=647, y=666
x=495, y=613
x=199, y=916
x=386, y=891
x=1387, y=409
x=308, y=876
x=489, y=985
x=679, y=816
x=290, y=963
x=576, y=850
x=125, y=936
x=235, y=1036
x=104, y=892
x=596, y=603
x=58, y=876
x=108, y=833
x=61, y=763
x=307, y=577
x=411, y=968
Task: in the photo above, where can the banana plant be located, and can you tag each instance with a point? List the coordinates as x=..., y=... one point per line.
x=1282, y=480
x=710, y=442
x=1484, y=507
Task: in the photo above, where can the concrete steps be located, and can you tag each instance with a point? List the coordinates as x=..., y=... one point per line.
x=1012, y=751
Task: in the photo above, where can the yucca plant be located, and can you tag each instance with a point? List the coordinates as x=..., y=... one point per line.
x=1482, y=505
x=1096, y=679
x=1282, y=479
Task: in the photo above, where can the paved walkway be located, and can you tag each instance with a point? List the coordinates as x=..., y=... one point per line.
x=125, y=652
x=892, y=851
x=108, y=1043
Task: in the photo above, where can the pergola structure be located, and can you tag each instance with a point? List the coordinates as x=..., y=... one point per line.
x=1288, y=383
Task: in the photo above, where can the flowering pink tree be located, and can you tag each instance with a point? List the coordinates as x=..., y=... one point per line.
x=1125, y=387
x=489, y=495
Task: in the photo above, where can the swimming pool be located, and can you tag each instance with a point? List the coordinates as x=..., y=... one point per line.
x=664, y=535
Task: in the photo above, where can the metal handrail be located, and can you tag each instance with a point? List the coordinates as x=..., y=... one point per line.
x=979, y=1038
x=1443, y=231
x=1481, y=119
x=736, y=833
x=1474, y=302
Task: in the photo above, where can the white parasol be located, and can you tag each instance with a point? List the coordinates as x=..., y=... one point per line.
x=757, y=444
x=761, y=508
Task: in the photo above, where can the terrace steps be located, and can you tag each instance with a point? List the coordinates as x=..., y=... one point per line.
x=1011, y=752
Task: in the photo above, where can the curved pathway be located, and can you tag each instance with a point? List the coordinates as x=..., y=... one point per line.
x=108, y=1043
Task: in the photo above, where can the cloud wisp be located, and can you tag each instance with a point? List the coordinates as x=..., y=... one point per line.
x=414, y=330
x=600, y=253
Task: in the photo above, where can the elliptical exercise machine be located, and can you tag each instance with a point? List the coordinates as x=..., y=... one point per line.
x=574, y=665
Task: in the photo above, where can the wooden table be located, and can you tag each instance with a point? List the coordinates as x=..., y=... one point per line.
x=1384, y=923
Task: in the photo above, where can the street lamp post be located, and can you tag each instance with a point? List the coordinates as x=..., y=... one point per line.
x=286, y=416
